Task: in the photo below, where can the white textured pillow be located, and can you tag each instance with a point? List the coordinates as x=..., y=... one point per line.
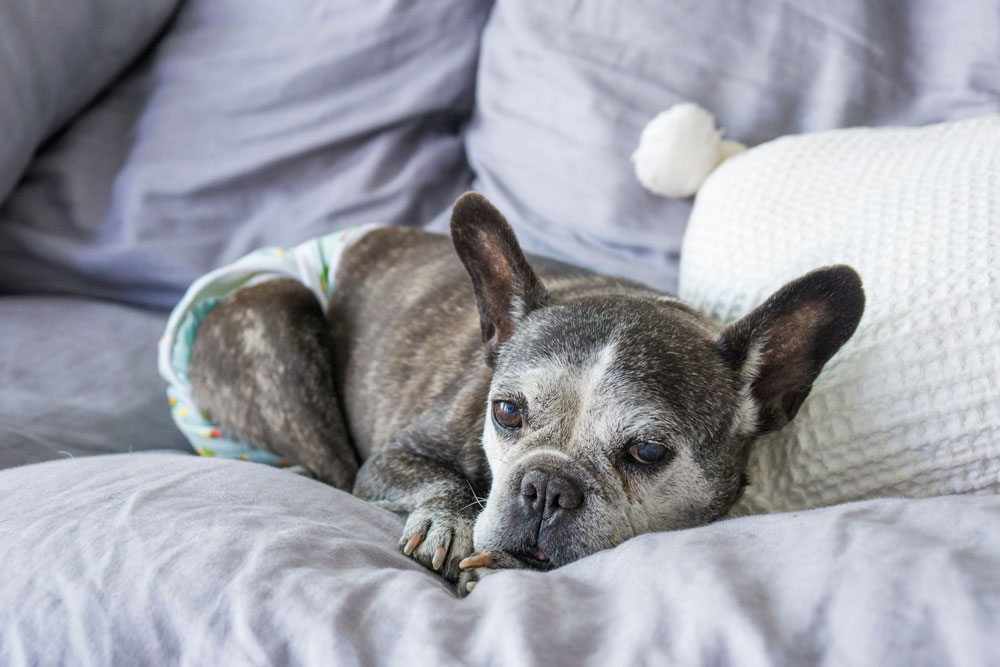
x=910, y=406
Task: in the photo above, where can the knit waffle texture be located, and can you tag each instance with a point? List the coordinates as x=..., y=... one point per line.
x=910, y=406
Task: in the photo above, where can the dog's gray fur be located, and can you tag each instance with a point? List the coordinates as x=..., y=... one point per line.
x=413, y=355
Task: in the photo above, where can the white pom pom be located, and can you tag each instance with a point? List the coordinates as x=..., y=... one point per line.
x=679, y=149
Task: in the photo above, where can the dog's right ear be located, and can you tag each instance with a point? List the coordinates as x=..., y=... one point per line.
x=506, y=287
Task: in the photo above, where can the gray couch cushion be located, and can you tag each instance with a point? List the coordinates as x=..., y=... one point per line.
x=79, y=377
x=251, y=123
x=54, y=57
x=565, y=88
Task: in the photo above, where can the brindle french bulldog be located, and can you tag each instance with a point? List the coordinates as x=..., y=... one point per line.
x=527, y=418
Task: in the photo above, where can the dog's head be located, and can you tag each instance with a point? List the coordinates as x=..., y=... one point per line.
x=616, y=412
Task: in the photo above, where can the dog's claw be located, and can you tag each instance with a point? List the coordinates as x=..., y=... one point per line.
x=439, y=555
x=475, y=560
x=482, y=564
x=412, y=543
x=438, y=536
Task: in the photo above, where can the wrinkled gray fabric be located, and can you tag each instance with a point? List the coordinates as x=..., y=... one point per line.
x=254, y=123
x=250, y=124
x=564, y=89
x=79, y=377
x=54, y=57
x=167, y=559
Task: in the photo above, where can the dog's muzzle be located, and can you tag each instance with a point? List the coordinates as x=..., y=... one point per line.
x=548, y=498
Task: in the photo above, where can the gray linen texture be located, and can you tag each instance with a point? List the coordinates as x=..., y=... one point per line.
x=55, y=56
x=249, y=124
x=78, y=377
x=146, y=558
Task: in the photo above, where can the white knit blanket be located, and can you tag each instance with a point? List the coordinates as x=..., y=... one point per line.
x=911, y=405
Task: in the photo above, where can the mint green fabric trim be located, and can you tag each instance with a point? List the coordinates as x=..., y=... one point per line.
x=188, y=329
x=312, y=263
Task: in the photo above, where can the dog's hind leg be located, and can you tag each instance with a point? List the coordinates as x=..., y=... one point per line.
x=262, y=368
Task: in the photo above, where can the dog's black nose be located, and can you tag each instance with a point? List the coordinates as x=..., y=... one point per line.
x=544, y=492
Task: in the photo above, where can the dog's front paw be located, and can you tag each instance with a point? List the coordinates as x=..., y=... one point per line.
x=439, y=536
x=480, y=564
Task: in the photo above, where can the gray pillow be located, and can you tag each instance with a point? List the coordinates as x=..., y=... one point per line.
x=251, y=123
x=565, y=88
x=79, y=377
x=154, y=559
x=56, y=56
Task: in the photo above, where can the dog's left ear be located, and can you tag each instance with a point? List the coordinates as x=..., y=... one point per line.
x=506, y=287
x=779, y=348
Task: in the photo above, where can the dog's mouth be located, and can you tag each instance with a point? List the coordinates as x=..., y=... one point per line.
x=534, y=560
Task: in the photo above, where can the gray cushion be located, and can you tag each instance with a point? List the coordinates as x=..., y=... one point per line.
x=251, y=123
x=149, y=560
x=565, y=88
x=79, y=377
x=56, y=56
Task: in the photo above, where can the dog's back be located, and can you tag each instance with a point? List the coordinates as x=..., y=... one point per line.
x=407, y=340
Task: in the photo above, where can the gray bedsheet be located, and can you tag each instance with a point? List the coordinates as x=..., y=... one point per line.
x=168, y=559
x=78, y=377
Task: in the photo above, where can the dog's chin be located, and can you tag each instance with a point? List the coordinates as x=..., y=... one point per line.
x=521, y=543
x=533, y=557
x=533, y=561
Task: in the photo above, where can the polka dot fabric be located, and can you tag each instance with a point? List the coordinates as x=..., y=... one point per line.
x=910, y=406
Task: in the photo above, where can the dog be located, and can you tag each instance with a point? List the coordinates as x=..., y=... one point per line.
x=521, y=414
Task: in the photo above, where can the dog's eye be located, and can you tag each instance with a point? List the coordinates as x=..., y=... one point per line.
x=506, y=414
x=648, y=452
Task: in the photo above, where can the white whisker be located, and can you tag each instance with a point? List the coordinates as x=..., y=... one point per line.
x=477, y=501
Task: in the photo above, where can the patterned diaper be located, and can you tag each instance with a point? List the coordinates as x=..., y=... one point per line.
x=312, y=263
